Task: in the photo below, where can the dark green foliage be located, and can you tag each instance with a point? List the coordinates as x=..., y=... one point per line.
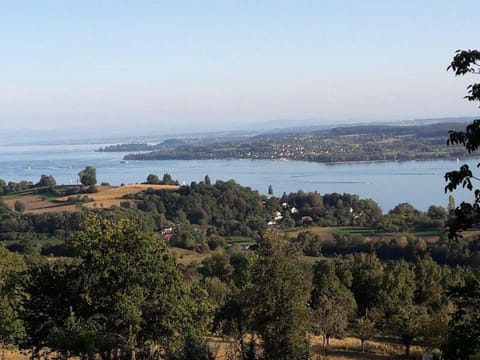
x=405, y=218
x=88, y=176
x=367, y=274
x=153, y=179
x=409, y=324
x=12, y=268
x=333, y=304
x=124, y=293
x=217, y=265
x=281, y=289
x=430, y=283
x=167, y=180
x=46, y=181
x=397, y=289
x=193, y=348
x=463, y=341
x=190, y=238
x=19, y=206
x=207, y=180
x=310, y=243
x=229, y=207
x=364, y=328
x=13, y=187
x=466, y=214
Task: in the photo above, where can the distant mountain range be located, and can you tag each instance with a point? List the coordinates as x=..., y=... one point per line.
x=154, y=135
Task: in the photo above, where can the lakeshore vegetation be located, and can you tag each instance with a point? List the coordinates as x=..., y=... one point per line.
x=341, y=144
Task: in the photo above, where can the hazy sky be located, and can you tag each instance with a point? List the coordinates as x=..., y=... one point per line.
x=200, y=64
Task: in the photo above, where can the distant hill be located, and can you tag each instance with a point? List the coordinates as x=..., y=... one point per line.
x=338, y=144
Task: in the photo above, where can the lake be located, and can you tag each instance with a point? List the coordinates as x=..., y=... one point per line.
x=388, y=183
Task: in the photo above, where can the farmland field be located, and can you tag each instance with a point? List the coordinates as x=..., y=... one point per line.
x=107, y=196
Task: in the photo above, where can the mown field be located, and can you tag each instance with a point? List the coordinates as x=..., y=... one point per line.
x=106, y=197
x=368, y=234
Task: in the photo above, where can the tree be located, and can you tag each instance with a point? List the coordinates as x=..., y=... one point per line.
x=46, y=181
x=466, y=214
x=19, y=206
x=131, y=280
x=217, y=265
x=281, y=290
x=88, y=176
x=270, y=190
x=11, y=268
x=207, y=180
x=153, y=179
x=364, y=329
x=409, y=324
x=398, y=288
x=53, y=305
x=332, y=302
x=167, y=180
x=463, y=342
x=367, y=272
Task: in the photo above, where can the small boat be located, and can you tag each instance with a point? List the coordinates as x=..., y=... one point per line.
x=123, y=161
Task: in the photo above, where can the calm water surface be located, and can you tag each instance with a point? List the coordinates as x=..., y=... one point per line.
x=388, y=183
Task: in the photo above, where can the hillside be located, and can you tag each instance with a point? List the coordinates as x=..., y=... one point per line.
x=340, y=144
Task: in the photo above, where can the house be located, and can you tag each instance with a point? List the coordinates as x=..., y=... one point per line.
x=277, y=215
x=166, y=230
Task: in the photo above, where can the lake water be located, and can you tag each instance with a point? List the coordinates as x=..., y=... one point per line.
x=388, y=183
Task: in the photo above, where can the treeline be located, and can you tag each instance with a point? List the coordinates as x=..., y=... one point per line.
x=202, y=216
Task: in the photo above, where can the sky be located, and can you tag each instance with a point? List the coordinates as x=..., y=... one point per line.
x=188, y=65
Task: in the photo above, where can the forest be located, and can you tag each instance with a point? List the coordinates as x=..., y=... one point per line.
x=271, y=275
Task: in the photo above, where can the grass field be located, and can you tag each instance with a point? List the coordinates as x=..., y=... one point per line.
x=239, y=240
x=326, y=233
x=186, y=257
x=106, y=197
x=322, y=230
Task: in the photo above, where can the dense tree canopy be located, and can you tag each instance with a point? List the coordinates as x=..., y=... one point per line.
x=281, y=292
x=466, y=214
x=88, y=176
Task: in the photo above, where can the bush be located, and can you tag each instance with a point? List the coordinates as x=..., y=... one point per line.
x=19, y=206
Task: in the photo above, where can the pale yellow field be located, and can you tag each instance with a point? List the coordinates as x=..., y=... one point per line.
x=12, y=355
x=106, y=197
x=112, y=196
x=340, y=349
x=35, y=204
x=111, y=193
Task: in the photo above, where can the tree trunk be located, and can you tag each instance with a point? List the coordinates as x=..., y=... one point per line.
x=242, y=343
x=363, y=345
x=407, y=349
